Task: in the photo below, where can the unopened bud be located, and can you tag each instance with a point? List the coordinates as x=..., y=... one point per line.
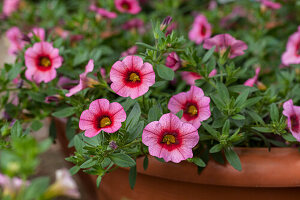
x=261, y=86
x=165, y=23
x=113, y=145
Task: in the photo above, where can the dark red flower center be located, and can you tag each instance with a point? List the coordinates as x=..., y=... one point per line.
x=191, y=110
x=169, y=139
x=133, y=79
x=103, y=122
x=203, y=30
x=125, y=5
x=295, y=123
x=298, y=49
x=44, y=62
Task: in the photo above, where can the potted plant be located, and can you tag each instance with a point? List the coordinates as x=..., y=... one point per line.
x=191, y=108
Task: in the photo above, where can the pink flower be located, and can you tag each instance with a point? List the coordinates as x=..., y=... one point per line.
x=131, y=77
x=170, y=28
x=14, y=35
x=102, y=116
x=131, y=51
x=191, y=77
x=39, y=32
x=66, y=83
x=292, y=53
x=128, y=6
x=194, y=104
x=270, y=4
x=293, y=114
x=170, y=138
x=103, y=12
x=224, y=41
x=41, y=61
x=250, y=82
x=10, y=6
x=11, y=186
x=201, y=29
x=84, y=81
x=135, y=24
x=173, y=61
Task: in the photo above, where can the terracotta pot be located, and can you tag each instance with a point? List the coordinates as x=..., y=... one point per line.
x=265, y=175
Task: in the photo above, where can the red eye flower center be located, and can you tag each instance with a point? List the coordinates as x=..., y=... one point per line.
x=45, y=62
x=298, y=49
x=133, y=77
x=104, y=121
x=125, y=6
x=169, y=139
x=295, y=123
x=192, y=110
x=203, y=30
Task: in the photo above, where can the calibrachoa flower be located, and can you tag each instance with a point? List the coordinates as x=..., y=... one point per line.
x=250, y=82
x=292, y=53
x=84, y=81
x=224, y=41
x=173, y=61
x=170, y=138
x=131, y=77
x=11, y=186
x=134, y=25
x=131, y=51
x=201, y=29
x=64, y=185
x=39, y=32
x=10, y=6
x=191, y=77
x=270, y=4
x=102, y=12
x=128, y=6
x=292, y=113
x=14, y=35
x=194, y=104
x=41, y=61
x=102, y=116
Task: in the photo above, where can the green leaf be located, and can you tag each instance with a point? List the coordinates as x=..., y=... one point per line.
x=238, y=117
x=65, y=112
x=136, y=131
x=179, y=114
x=37, y=96
x=199, y=162
x=146, y=163
x=218, y=101
x=233, y=159
x=44, y=145
x=133, y=116
x=159, y=159
x=210, y=130
x=289, y=137
x=14, y=71
x=216, y=148
x=251, y=102
x=122, y=160
x=208, y=54
x=154, y=113
x=147, y=46
x=241, y=99
x=274, y=112
x=52, y=130
x=256, y=117
x=226, y=127
x=99, y=178
x=263, y=129
x=37, y=188
x=74, y=170
x=36, y=125
x=79, y=144
x=16, y=130
x=223, y=92
x=132, y=177
x=165, y=72
x=89, y=163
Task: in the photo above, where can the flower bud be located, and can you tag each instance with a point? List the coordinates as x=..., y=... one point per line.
x=165, y=23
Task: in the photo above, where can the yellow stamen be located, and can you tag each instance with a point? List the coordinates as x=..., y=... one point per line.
x=169, y=139
x=134, y=77
x=192, y=110
x=105, y=121
x=45, y=62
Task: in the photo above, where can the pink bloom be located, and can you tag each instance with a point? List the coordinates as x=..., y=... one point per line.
x=173, y=61
x=39, y=32
x=250, y=82
x=131, y=77
x=14, y=35
x=61, y=32
x=128, y=6
x=11, y=186
x=84, y=81
x=292, y=53
x=41, y=61
x=10, y=6
x=191, y=77
x=170, y=28
x=270, y=4
x=293, y=114
x=194, y=104
x=103, y=12
x=66, y=83
x=170, y=138
x=224, y=41
x=227, y=21
x=133, y=24
x=201, y=29
x=102, y=116
x=131, y=51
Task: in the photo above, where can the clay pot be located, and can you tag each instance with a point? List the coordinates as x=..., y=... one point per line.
x=265, y=175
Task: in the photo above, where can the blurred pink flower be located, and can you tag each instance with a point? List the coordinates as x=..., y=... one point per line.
x=133, y=24
x=14, y=35
x=292, y=52
x=250, y=82
x=39, y=32
x=191, y=77
x=237, y=11
x=129, y=52
x=201, y=29
x=270, y=4
x=194, y=104
x=11, y=186
x=42, y=60
x=292, y=112
x=170, y=28
x=103, y=12
x=66, y=83
x=170, y=138
x=10, y=6
x=173, y=61
x=128, y=6
x=102, y=116
x=131, y=77
x=223, y=42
